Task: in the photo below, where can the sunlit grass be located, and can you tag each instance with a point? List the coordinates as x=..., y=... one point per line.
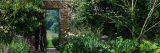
x=50, y=36
x=49, y=44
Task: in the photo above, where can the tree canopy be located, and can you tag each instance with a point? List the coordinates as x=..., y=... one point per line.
x=19, y=15
x=133, y=18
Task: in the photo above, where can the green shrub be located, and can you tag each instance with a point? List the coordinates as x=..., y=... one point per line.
x=55, y=42
x=81, y=44
x=148, y=47
x=122, y=46
x=82, y=40
x=18, y=46
x=91, y=44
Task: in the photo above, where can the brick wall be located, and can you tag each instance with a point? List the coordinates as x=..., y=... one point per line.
x=37, y=41
x=63, y=15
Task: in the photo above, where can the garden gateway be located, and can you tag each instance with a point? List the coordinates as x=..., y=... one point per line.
x=54, y=24
x=79, y=26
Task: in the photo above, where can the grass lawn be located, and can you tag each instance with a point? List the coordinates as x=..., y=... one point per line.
x=50, y=36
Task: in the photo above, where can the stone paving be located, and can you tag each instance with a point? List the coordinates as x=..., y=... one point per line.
x=52, y=50
x=49, y=50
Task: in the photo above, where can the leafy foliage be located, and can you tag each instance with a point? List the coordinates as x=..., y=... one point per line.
x=81, y=44
x=87, y=41
x=118, y=17
x=18, y=16
x=122, y=46
x=91, y=44
x=52, y=18
x=18, y=46
x=134, y=19
x=147, y=46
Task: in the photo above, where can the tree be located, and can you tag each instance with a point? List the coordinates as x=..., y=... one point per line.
x=20, y=17
x=134, y=18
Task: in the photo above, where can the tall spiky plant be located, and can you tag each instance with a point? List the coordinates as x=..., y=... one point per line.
x=148, y=19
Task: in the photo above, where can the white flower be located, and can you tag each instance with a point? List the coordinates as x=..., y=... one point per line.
x=5, y=31
x=83, y=35
x=1, y=27
x=70, y=34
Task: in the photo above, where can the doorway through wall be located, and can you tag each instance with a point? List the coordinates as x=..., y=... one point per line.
x=52, y=26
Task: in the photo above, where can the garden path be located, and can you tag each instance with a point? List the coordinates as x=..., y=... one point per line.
x=52, y=50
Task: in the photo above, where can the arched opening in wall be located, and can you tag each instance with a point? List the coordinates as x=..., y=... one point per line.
x=52, y=26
